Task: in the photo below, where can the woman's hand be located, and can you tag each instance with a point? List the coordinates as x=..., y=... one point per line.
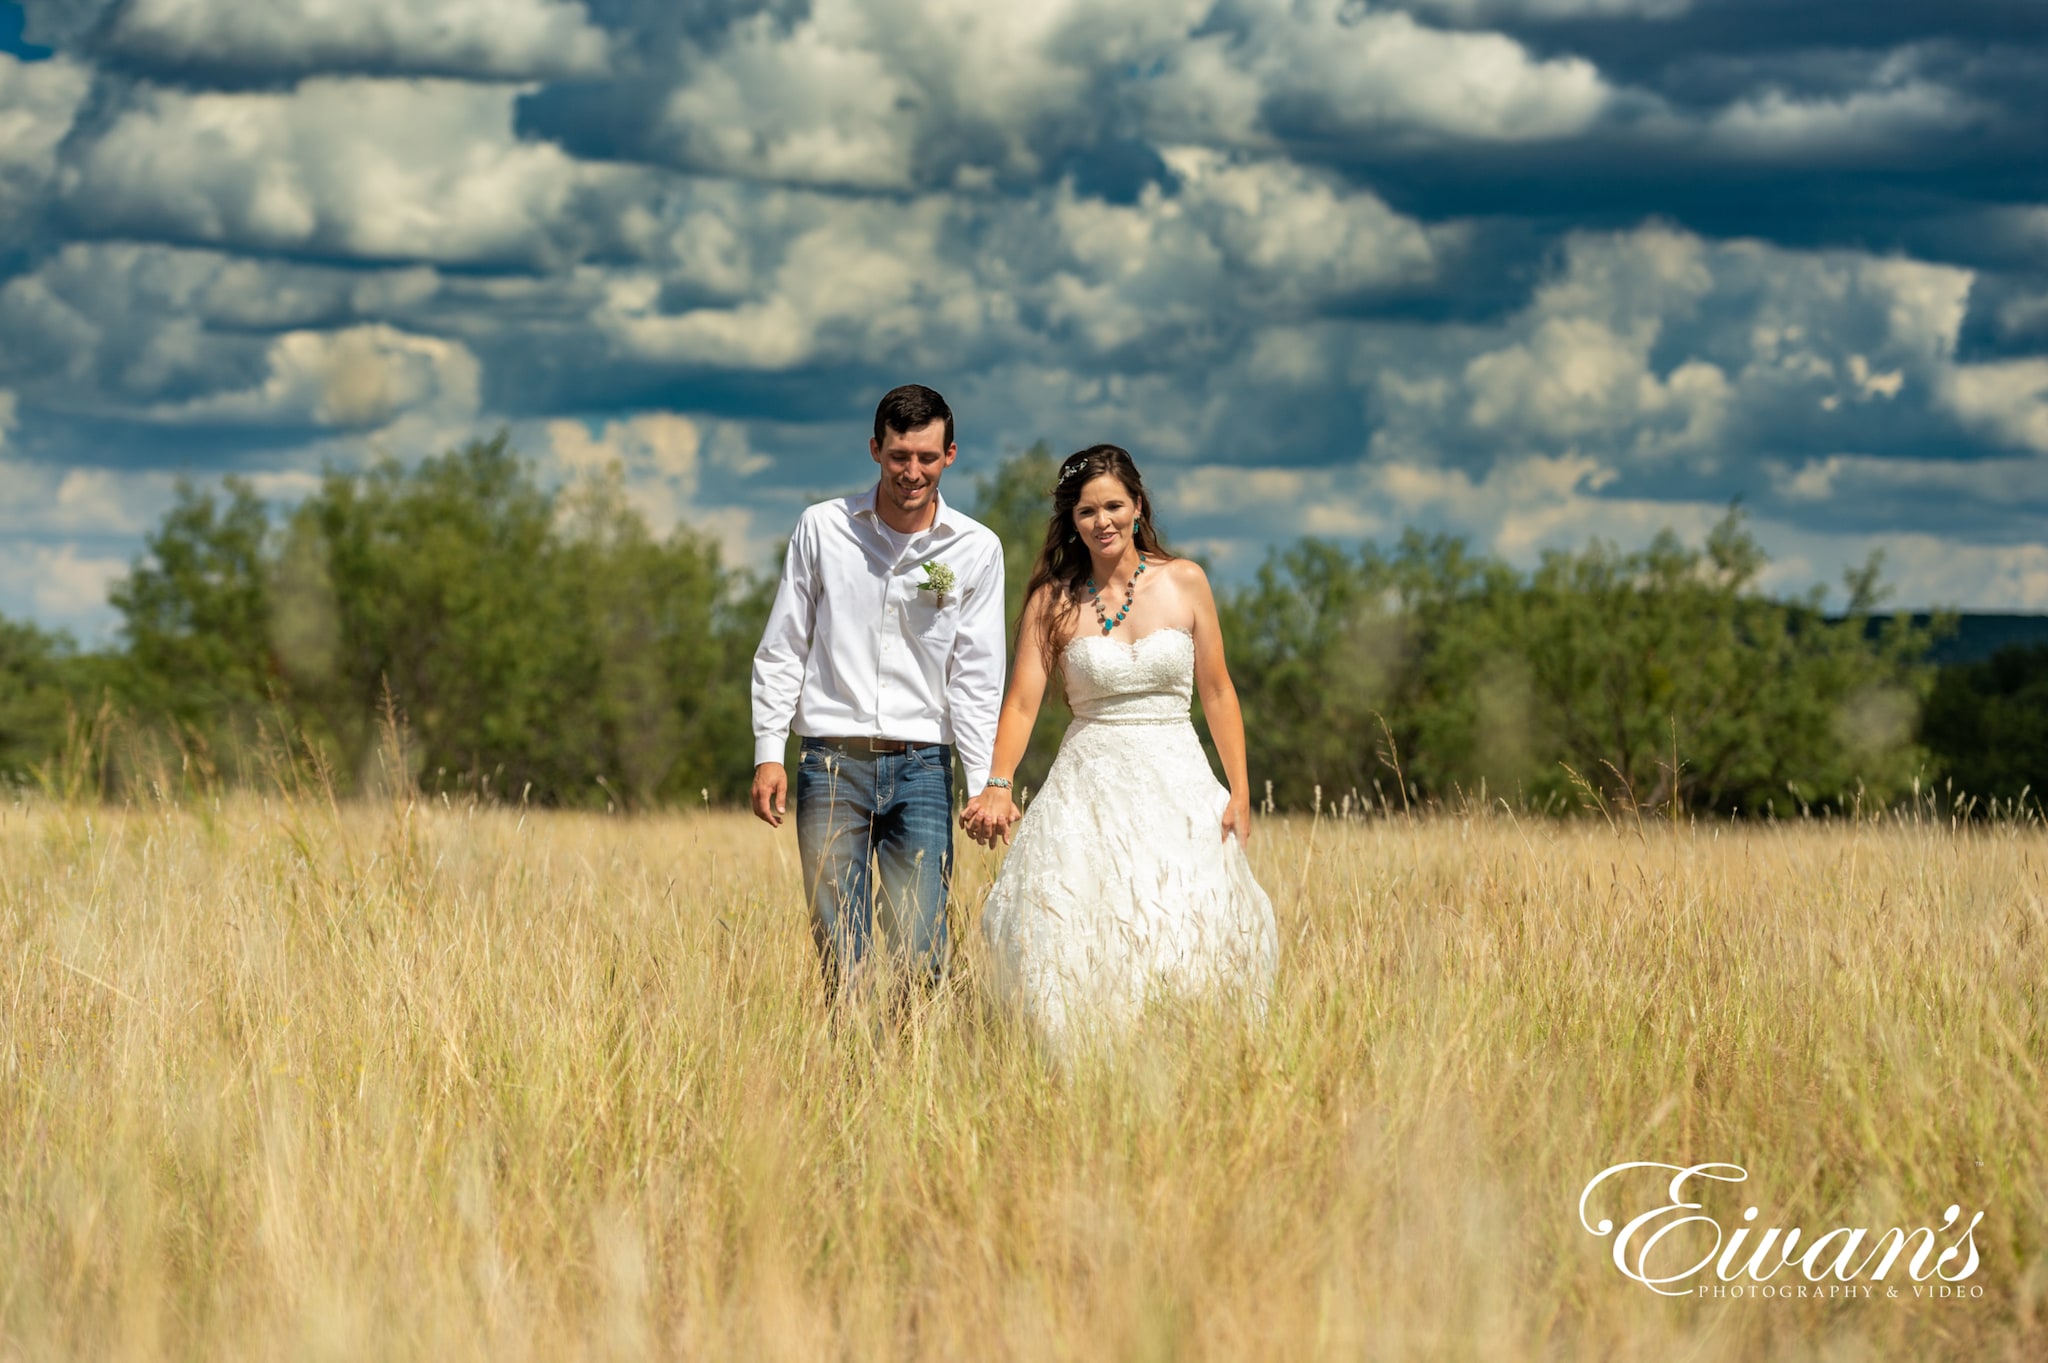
x=989, y=816
x=1237, y=818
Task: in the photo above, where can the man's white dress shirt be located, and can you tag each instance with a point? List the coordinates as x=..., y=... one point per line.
x=856, y=649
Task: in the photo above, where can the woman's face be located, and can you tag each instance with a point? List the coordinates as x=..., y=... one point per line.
x=1104, y=515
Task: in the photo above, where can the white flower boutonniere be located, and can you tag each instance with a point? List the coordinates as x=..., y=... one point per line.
x=938, y=580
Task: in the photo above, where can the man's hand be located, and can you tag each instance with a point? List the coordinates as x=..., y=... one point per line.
x=990, y=815
x=771, y=793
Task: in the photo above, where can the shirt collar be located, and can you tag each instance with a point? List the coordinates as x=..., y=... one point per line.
x=863, y=504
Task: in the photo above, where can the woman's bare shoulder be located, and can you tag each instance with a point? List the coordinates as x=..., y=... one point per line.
x=1044, y=597
x=1186, y=573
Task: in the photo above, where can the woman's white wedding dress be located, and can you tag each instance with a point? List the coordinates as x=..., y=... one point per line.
x=1120, y=881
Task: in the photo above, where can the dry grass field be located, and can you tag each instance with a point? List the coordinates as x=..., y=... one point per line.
x=283, y=1081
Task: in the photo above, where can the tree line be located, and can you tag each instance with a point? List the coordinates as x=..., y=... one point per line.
x=505, y=640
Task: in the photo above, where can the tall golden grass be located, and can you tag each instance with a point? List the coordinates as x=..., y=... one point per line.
x=280, y=1079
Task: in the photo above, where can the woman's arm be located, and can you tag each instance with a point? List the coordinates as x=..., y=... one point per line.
x=990, y=814
x=1219, y=702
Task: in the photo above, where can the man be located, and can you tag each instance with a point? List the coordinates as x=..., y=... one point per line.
x=884, y=651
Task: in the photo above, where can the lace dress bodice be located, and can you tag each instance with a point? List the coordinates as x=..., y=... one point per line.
x=1148, y=681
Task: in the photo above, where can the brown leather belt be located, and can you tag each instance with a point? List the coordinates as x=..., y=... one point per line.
x=866, y=747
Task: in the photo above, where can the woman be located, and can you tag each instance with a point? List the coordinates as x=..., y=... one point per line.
x=1129, y=871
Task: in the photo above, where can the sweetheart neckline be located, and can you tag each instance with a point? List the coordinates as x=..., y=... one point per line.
x=1131, y=644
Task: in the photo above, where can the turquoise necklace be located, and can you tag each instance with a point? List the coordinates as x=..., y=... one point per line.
x=1130, y=591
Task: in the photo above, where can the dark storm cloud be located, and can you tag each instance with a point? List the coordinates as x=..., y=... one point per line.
x=1643, y=51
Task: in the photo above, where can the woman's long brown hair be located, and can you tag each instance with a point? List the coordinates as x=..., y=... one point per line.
x=1063, y=563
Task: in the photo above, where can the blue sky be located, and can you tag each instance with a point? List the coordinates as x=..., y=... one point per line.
x=1530, y=271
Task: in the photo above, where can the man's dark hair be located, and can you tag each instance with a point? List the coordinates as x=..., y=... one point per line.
x=909, y=408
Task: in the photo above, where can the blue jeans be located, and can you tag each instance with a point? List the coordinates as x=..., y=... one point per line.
x=898, y=809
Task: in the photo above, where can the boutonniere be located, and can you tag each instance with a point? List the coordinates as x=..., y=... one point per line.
x=938, y=580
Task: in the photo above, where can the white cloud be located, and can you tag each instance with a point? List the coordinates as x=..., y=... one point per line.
x=359, y=377
x=657, y=445
x=143, y=329
x=1164, y=417
x=988, y=95
x=8, y=407
x=1303, y=355
x=1655, y=344
x=404, y=170
x=837, y=114
x=501, y=38
x=2006, y=399
x=1372, y=74
x=844, y=96
x=1522, y=506
x=729, y=449
x=865, y=279
x=38, y=102
x=1924, y=304
x=1526, y=506
x=1295, y=236
x=61, y=585
x=660, y=458
x=1242, y=240
x=1575, y=377
x=1922, y=570
x=934, y=278
x=132, y=285
x=1773, y=124
x=2024, y=314
x=1970, y=485
x=1629, y=278
x=80, y=500
x=1325, y=502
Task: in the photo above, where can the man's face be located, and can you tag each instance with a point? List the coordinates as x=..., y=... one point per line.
x=911, y=464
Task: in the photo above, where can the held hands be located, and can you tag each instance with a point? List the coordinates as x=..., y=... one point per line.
x=1237, y=818
x=990, y=815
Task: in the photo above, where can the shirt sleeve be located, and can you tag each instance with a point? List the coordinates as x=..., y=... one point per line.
x=974, y=682
x=785, y=645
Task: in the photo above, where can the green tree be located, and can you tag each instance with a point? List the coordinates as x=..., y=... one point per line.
x=1015, y=500
x=35, y=696
x=1315, y=650
x=537, y=644
x=1986, y=724
x=674, y=636
x=544, y=644
x=446, y=588
x=196, y=614
x=1663, y=674
x=1655, y=677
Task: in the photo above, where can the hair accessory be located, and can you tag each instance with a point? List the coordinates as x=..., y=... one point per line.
x=1072, y=468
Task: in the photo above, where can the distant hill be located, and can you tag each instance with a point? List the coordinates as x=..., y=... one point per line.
x=1979, y=636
